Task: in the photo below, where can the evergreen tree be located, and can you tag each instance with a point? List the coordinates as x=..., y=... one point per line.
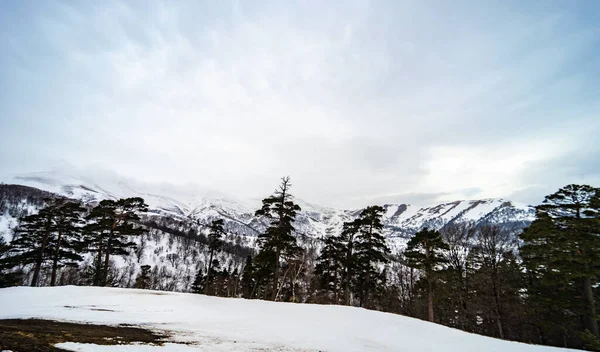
x=561, y=252
x=66, y=243
x=424, y=252
x=7, y=277
x=143, y=280
x=32, y=238
x=199, y=280
x=329, y=268
x=264, y=267
x=350, y=230
x=278, y=242
x=248, y=280
x=215, y=243
x=111, y=224
x=370, y=253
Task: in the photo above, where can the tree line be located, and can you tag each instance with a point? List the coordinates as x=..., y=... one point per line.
x=63, y=231
x=538, y=285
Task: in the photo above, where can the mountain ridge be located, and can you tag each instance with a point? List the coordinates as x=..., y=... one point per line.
x=400, y=220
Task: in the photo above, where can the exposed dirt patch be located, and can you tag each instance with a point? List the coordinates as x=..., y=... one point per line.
x=38, y=335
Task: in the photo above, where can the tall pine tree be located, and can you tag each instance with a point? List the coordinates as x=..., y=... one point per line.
x=7, y=277
x=563, y=246
x=370, y=254
x=278, y=242
x=248, y=278
x=112, y=223
x=65, y=245
x=350, y=230
x=32, y=238
x=329, y=269
x=424, y=252
x=215, y=243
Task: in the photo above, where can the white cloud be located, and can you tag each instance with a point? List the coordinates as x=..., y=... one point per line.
x=356, y=103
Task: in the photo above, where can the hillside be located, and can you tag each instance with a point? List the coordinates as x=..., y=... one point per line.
x=177, y=221
x=202, y=323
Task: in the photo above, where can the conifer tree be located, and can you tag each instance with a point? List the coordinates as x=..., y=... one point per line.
x=329, y=269
x=65, y=245
x=215, y=243
x=278, y=242
x=562, y=246
x=248, y=280
x=32, y=238
x=370, y=253
x=424, y=252
x=143, y=280
x=111, y=224
x=7, y=278
x=350, y=230
x=199, y=280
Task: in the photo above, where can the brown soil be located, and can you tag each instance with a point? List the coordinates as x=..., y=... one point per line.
x=38, y=335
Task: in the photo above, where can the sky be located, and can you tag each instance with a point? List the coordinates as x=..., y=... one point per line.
x=359, y=102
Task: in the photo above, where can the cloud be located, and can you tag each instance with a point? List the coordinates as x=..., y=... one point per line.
x=446, y=99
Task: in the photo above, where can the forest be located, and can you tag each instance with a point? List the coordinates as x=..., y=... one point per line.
x=537, y=285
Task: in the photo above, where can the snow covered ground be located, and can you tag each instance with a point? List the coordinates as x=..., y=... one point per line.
x=224, y=324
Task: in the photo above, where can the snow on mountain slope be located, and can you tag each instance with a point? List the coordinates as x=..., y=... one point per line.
x=203, y=323
x=400, y=220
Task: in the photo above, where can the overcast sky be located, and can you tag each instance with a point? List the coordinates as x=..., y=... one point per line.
x=359, y=102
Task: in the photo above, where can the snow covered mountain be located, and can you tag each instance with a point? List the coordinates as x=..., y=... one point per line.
x=171, y=248
x=400, y=220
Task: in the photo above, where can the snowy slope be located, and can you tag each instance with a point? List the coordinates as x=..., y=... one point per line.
x=221, y=324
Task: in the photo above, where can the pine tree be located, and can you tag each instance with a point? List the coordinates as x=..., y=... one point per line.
x=199, y=282
x=111, y=224
x=278, y=242
x=66, y=244
x=215, y=243
x=143, y=280
x=562, y=250
x=248, y=280
x=350, y=230
x=32, y=238
x=329, y=268
x=7, y=277
x=370, y=253
x=424, y=252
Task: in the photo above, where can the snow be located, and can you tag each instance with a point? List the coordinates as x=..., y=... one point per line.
x=203, y=205
x=7, y=223
x=202, y=323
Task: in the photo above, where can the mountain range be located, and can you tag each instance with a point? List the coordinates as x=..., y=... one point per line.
x=314, y=221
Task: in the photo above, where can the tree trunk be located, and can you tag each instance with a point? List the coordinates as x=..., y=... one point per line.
x=500, y=327
x=55, y=262
x=591, y=322
x=430, y=300
x=254, y=288
x=98, y=269
x=208, y=272
x=275, y=278
x=106, y=263
x=429, y=286
x=107, y=254
x=347, y=294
